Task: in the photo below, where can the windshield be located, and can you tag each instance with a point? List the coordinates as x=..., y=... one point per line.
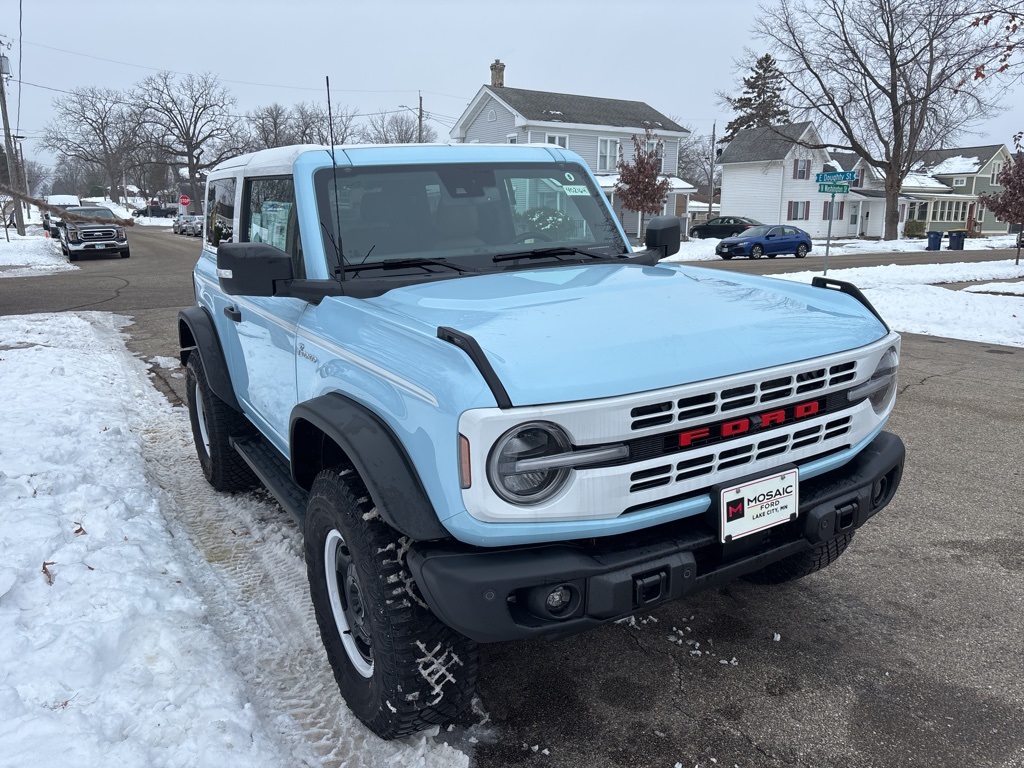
x=755, y=232
x=467, y=213
x=92, y=213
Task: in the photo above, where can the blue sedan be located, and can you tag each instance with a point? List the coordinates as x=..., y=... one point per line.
x=767, y=241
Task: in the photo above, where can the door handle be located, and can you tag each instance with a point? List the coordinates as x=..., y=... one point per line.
x=233, y=314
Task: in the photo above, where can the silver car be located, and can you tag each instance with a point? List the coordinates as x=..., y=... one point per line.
x=193, y=225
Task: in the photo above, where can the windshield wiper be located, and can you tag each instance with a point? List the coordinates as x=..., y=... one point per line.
x=401, y=263
x=556, y=251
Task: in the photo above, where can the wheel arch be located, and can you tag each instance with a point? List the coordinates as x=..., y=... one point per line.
x=196, y=333
x=333, y=429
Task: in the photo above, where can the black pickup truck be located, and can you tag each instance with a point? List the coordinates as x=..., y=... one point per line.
x=156, y=210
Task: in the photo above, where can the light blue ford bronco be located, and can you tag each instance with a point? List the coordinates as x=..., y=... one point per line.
x=495, y=420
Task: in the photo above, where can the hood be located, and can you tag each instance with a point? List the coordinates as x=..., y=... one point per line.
x=574, y=333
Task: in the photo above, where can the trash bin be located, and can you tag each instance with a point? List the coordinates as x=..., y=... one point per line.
x=934, y=241
x=956, y=239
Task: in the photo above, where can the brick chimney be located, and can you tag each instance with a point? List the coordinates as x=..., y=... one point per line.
x=497, y=74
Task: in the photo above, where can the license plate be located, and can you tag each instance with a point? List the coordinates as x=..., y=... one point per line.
x=758, y=504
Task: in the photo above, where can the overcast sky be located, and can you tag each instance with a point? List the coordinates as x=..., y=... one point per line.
x=673, y=54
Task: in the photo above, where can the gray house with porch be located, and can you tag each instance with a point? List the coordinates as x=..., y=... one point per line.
x=597, y=129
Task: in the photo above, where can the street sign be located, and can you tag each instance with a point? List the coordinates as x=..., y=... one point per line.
x=834, y=189
x=833, y=176
x=184, y=200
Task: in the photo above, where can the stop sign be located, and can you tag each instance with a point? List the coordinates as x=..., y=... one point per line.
x=185, y=200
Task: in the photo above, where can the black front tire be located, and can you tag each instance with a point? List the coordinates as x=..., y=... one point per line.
x=398, y=667
x=695, y=234
x=756, y=252
x=126, y=253
x=214, y=423
x=803, y=563
x=801, y=251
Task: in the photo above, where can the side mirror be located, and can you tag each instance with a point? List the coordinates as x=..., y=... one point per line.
x=663, y=233
x=251, y=269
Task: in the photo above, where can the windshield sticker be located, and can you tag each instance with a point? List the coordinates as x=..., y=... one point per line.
x=569, y=177
x=577, y=190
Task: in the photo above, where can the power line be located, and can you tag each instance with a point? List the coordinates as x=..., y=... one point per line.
x=224, y=80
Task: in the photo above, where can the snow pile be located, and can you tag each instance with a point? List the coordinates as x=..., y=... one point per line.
x=907, y=297
x=124, y=213
x=120, y=642
x=105, y=657
x=33, y=254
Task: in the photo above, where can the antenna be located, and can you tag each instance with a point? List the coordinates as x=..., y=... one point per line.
x=339, y=269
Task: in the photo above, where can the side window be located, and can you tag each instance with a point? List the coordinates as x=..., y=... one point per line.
x=270, y=217
x=220, y=211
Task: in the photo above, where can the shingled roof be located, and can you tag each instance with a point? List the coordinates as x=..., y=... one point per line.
x=547, y=107
x=753, y=145
x=958, y=160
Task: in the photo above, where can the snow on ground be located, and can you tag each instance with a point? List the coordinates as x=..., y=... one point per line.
x=1017, y=289
x=146, y=620
x=907, y=297
x=31, y=255
x=124, y=213
x=130, y=633
x=704, y=250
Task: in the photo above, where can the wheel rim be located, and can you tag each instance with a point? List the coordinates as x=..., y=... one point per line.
x=756, y=251
x=204, y=435
x=801, y=251
x=347, y=604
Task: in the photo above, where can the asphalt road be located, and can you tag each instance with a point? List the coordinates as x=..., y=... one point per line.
x=906, y=652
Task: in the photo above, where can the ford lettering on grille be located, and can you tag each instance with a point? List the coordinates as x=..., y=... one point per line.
x=722, y=430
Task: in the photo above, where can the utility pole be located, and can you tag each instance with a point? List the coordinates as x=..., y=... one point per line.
x=12, y=161
x=421, y=116
x=711, y=172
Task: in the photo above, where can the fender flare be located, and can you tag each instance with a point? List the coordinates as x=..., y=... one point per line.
x=376, y=454
x=196, y=331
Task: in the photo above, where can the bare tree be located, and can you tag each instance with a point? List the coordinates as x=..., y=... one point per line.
x=697, y=160
x=271, y=126
x=396, y=128
x=96, y=126
x=190, y=120
x=311, y=126
x=37, y=176
x=887, y=79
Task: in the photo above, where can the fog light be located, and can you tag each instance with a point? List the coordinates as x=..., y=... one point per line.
x=559, y=599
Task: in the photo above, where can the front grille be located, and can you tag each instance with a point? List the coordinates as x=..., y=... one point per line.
x=89, y=235
x=705, y=461
x=725, y=401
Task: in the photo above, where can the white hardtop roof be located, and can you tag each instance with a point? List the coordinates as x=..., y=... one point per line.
x=282, y=160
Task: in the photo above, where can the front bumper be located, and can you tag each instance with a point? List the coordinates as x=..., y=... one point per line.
x=100, y=246
x=499, y=594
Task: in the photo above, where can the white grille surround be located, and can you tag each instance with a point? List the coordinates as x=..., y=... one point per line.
x=609, y=492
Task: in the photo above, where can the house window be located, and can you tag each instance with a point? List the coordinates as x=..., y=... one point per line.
x=491, y=116
x=832, y=210
x=607, y=154
x=959, y=182
x=798, y=210
x=512, y=139
x=658, y=148
x=557, y=138
x=996, y=168
x=859, y=181
x=918, y=212
x=801, y=169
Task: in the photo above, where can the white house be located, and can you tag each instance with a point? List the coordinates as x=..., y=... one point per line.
x=769, y=174
x=597, y=129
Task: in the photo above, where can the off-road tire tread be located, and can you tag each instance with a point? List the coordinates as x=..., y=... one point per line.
x=395, y=652
x=224, y=468
x=803, y=563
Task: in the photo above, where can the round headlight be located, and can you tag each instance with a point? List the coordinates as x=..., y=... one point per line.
x=524, y=485
x=881, y=387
